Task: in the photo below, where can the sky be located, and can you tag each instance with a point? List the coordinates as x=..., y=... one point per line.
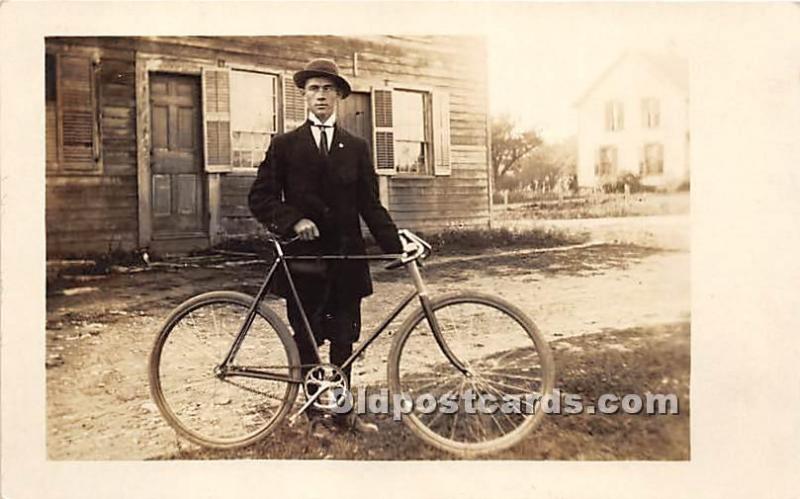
x=543, y=57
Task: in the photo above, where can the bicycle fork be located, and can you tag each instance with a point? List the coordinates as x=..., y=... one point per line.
x=433, y=323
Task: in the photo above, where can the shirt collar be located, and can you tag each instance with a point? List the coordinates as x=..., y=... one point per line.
x=315, y=121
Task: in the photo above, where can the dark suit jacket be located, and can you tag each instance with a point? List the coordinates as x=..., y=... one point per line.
x=295, y=182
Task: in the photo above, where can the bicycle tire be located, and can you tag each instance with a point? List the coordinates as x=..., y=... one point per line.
x=245, y=400
x=522, y=359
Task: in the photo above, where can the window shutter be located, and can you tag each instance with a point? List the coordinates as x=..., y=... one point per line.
x=217, y=119
x=294, y=105
x=441, y=133
x=79, y=134
x=383, y=132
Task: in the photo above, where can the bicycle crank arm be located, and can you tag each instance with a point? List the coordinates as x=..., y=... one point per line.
x=308, y=403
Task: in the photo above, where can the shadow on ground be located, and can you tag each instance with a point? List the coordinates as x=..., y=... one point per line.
x=635, y=361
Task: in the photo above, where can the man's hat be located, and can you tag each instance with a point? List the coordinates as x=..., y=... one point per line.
x=322, y=67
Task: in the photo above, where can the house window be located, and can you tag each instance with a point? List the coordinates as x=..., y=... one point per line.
x=651, y=113
x=254, y=117
x=653, y=159
x=411, y=132
x=614, y=116
x=606, y=161
x=72, y=132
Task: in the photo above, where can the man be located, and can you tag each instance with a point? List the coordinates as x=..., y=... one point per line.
x=315, y=182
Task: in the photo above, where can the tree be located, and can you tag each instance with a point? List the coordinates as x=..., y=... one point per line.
x=549, y=162
x=510, y=146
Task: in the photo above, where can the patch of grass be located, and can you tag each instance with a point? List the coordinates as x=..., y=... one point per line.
x=88, y=264
x=447, y=242
x=577, y=262
x=474, y=241
x=599, y=206
x=255, y=243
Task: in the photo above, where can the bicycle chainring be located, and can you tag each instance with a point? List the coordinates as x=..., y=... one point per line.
x=332, y=380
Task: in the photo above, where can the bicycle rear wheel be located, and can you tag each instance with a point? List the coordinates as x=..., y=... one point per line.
x=205, y=407
x=510, y=368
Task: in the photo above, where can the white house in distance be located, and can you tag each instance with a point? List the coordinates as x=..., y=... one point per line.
x=635, y=119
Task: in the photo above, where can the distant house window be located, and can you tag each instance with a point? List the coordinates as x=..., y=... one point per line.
x=615, y=118
x=411, y=132
x=653, y=159
x=254, y=117
x=651, y=113
x=606, y=161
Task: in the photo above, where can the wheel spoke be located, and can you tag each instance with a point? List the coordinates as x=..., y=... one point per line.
x=497, y=392
x=432, y=383
x=508, y=387
x=455, y=417
x=511, y=377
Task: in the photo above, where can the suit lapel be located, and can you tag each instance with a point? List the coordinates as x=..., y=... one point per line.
x=307, y=136
x=308, y=153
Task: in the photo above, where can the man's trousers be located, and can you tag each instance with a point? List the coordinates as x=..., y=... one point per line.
x=333, y=318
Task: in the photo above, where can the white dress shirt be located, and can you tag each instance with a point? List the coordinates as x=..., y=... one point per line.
x=316, y=131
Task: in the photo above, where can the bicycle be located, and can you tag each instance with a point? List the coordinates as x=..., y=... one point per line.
x=251, y=374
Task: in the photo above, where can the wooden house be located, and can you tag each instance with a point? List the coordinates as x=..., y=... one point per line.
x=153, y=142
x=635, y=119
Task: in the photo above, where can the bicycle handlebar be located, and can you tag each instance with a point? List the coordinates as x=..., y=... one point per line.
x=421, y=249
x=415, y=248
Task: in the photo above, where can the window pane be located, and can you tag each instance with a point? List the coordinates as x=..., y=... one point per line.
x=253, y=116
x=252, y=102
x=249, y=148
x=654, y=158
x=410, y=156
x=409, y=116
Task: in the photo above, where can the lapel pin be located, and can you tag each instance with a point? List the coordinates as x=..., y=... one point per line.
x=341, y=146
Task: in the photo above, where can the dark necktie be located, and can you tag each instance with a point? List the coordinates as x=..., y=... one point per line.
x=323, y=140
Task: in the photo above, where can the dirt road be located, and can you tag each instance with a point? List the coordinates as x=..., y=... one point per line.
x=98, y=337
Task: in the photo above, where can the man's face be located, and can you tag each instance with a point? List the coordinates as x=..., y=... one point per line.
x=322, y=96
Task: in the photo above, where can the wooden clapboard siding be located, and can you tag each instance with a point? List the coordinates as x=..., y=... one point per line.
x=236, y=219
x=461, y=198
x=98, y=211
x=118, y=115
x=91, y=214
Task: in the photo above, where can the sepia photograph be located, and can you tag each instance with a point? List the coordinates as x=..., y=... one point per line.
x=395, y=243
x=180, y=170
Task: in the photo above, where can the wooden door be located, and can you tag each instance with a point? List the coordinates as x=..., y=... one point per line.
x=176, y=157
x=355, y=116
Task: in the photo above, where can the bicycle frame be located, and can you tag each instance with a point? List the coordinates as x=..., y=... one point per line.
x=420, y=291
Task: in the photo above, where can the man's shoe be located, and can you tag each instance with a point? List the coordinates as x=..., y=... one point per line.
x=320, y=425
x=361, y=426
x=355, y=424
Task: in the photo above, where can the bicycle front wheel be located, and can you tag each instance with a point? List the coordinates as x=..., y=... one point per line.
x=497, y=401
x=211, y=409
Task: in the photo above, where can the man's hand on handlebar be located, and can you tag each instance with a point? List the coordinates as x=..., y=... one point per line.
x=409, y=247
x=306, y=230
